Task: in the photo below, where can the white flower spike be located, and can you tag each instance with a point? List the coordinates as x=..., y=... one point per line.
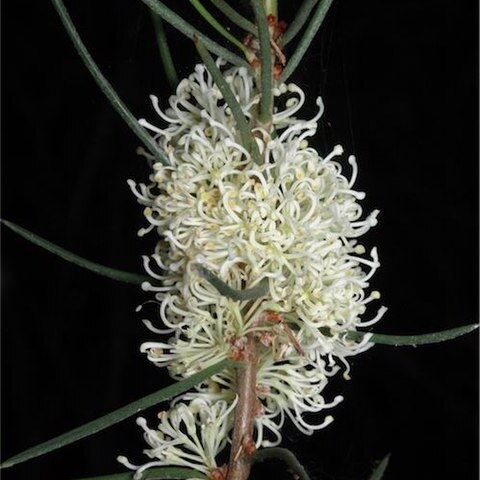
x=295, y=220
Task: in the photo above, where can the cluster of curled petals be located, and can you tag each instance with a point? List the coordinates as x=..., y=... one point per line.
x=293, y=219
x=189, y=435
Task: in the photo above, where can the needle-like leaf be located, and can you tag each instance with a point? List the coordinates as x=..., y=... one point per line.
x=165, y=54
x=108, y=272
x=266, y=101
x=302, y=15
x=162, y=473
x=306, y=40
x=235, y=17
x=229, y=97
x=282, y=454
x=378, y=472
x=105, y=86
x=412, y=340
x=118, y=415
x=213, y=22
x=256, y=292
x=188, y=30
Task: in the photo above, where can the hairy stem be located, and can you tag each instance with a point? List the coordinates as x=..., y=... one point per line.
x=244, y=413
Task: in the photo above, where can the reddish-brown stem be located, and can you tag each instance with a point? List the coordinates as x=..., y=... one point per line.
x=244, y=412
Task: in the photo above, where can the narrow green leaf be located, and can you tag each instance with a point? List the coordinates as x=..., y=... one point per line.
x=303, y=14
x=413, y=340
x=306, y=39
x=229, y=97
x=168, y=473
x=117, y=416
x=105, y=86
x=108, y=272
x=235, y=17
x=164, y=50
x=213, y=22
x=266, y=102
x=378, y=472
x=255, y=152
x=188, y=30
x=256, y=292
x=282, y=454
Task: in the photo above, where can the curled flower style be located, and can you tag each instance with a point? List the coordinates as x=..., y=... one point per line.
x=294, y=219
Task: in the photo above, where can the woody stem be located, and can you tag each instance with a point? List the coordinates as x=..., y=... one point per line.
x=244, y=412
x=246, y=383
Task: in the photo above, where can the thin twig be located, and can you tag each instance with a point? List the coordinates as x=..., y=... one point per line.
x=244, y=412
x=266, y=101
x=165, y=55
x=413, y=340
x=303, y=14
x=229, y=97
x=235, y=17
x=112, y=273
x=105, y=85
x=306, y=39
x=189, y=31
x=216, y=25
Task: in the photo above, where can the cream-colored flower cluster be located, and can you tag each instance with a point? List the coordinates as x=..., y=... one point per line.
x=188, y=435
x=294, y=219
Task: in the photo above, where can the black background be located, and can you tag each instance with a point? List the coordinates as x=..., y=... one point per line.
x=399, y=81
